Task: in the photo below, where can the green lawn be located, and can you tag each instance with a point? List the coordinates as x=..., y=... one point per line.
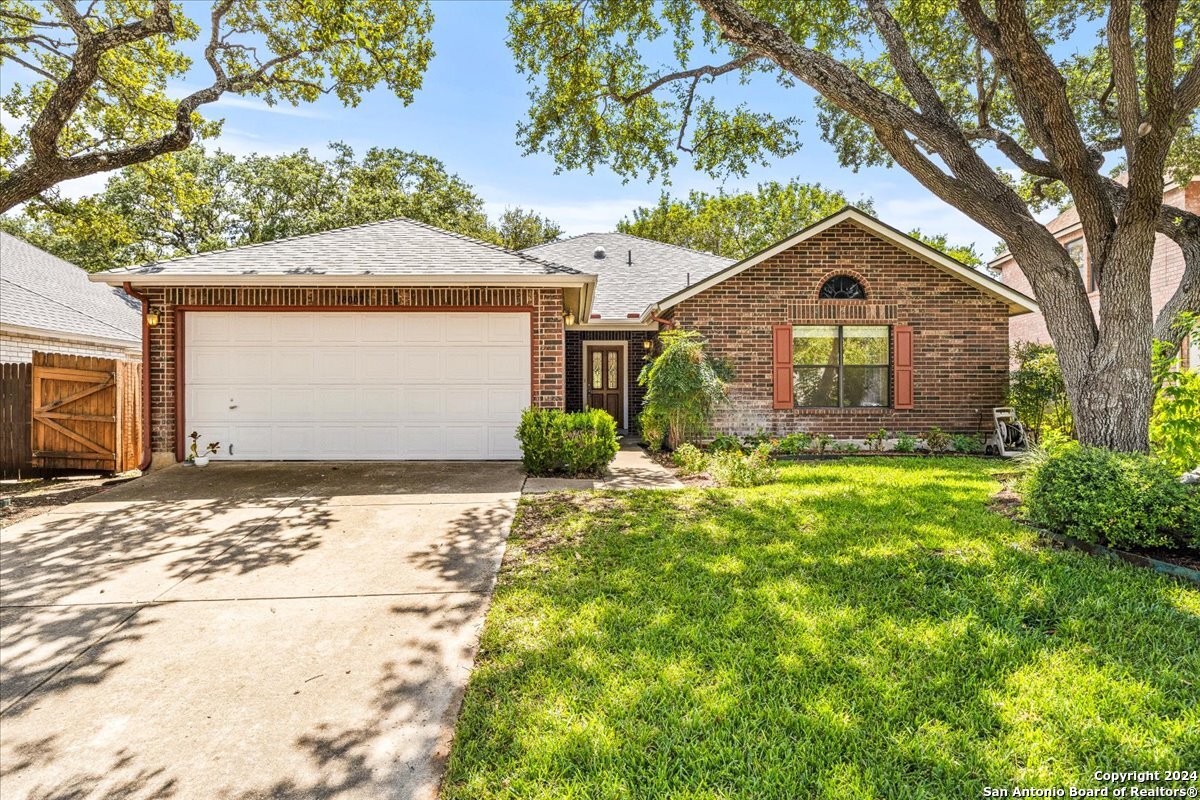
x=864, y=628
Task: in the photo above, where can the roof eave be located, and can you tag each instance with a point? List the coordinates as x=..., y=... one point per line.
x=119, y=278
x=70, y=336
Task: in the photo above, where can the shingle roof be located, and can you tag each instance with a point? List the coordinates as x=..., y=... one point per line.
x=658, y=269
x=39, y=290
x=388, y=248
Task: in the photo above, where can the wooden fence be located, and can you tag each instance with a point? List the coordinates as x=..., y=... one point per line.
x=68, y=412
x=16, y=454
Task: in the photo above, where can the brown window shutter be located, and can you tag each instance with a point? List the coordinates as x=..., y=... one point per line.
x=902, y=370
x=781, y=367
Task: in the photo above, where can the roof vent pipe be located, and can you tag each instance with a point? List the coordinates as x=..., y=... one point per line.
x=689, y=279
x=598, y=252
x=630, y=262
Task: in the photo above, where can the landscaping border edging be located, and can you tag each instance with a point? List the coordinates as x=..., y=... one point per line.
x=1164, y=567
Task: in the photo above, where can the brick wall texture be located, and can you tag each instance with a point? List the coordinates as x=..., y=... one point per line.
x=18, y=348
x=960, y=335
x=546, y=305
x=633, y=367
x=1166, y=270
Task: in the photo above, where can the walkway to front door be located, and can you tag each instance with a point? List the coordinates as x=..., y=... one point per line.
x=604, y=372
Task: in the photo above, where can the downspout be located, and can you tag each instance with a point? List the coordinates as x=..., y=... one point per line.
x=666, y=323
x=145, y=301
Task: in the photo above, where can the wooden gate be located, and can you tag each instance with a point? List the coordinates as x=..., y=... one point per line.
x=85, y=413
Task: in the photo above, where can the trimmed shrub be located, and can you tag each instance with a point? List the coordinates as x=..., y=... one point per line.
x=737, y=469
x=582, y=443
x=794, y=444
x=690, y=459
x=1108, y=498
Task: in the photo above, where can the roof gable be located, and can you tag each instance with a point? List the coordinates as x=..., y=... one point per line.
x=1017, y=302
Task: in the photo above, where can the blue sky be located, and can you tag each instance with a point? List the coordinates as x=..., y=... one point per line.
x=466, y=114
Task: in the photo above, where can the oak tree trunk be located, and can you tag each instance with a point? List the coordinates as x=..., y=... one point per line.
x=1104, y=355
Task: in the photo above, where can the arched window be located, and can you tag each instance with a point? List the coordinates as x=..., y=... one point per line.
x=842, y=287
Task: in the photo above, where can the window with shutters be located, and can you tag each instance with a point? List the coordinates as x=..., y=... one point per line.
x=841, y=366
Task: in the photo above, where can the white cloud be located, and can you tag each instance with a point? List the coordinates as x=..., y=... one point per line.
x=176, y=91
x=284, y=108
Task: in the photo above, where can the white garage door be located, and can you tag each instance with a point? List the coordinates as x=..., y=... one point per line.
x=357, y=385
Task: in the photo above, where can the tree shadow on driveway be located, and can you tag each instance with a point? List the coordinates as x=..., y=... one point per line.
x=225, y=680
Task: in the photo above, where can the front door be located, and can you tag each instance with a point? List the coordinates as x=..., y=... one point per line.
x=605, y=376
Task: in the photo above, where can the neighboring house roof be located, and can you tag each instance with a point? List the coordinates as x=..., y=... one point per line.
x=1018, y=303
x=625, y=288
x=1068, y=221
x=396, y=251
x=40, y=292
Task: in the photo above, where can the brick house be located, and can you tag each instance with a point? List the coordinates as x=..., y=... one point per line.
x=48, y=304
x=396, y=340
x=1166, y=270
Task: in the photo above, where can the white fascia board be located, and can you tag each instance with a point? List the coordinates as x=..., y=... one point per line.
x=257, y=279
x=614, y=325
x=1018, y=303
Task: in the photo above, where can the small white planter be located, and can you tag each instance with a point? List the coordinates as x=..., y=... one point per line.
x=200, y=461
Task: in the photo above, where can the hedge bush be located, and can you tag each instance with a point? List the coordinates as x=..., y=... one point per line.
x=1114, y=499
x=577, y=444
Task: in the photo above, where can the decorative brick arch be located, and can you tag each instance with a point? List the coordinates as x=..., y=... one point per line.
x=848, y=273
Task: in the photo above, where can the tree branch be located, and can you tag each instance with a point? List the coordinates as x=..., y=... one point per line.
x=1183, y=228
x=707, y=71
x=1022, y=158
x=915, y=81
x=1187, y=93
x=1124, y=74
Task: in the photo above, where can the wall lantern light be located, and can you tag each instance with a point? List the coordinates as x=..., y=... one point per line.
x=152, y=318
x=569, y=318
x=647, y=344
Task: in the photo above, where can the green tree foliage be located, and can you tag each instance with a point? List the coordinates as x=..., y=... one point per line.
x=517, y=229
x=1036, y=390
x=1175, y=420
x=739, y=224
x=997, y=107
x=97, y=94
x=684, y=387
x=195, y=201
x=965, y=253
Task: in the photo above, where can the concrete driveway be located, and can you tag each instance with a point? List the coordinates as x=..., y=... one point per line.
x=248, y=630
